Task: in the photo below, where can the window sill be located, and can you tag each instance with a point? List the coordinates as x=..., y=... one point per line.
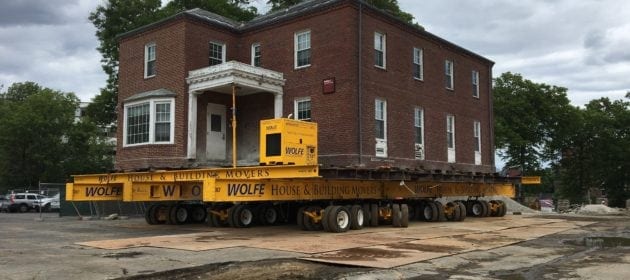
x=142, y=145
x=149, y=77
x=302, y=67
x=380, y=67
x=418, y=79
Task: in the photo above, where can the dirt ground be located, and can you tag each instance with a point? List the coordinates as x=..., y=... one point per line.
x=48, y=249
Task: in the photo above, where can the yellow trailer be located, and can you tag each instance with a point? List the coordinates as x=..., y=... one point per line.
x=287, y=186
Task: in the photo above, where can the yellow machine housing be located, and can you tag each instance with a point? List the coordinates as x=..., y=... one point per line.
x=288, y=142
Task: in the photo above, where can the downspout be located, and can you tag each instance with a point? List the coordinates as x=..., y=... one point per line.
x=360, y=82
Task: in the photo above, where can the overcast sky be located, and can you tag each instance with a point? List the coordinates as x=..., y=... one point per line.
x=583, y=45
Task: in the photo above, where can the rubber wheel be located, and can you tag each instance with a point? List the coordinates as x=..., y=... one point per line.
x=300, y=218
x=309, y=224
x=396, y=215
x=430, y=212
x=23, y=208
x=232, y=214
x=454, y=211
x=367, y=215
x=404, y=212
x=476, y=208
x=419, y=207
x=327, y=211
x=178, y=214
x=357, y=217
x=486, y=208
x=339, y=219
x=198, y=213
x=440, y=210
x=462, y=210
x=149, y=215
x=241, y=216
x=161, y=213
x=373, y=215
x=502, y=208
x=267, y=214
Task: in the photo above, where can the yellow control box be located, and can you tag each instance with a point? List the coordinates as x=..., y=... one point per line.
x=288, y=142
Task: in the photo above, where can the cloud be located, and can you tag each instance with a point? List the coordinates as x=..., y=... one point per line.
x=580, y=45
x=52, y=44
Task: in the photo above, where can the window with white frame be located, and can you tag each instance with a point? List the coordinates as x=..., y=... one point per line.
x=149, y=122
x=380, y=47
x=450, y=131
x=217, y=53
x=417, y=64
x=475, y=83
x=381, y=119
x=149, y=60
x=380, y=129
x=419, y=132
x=448, y=74
x=477, y=136
x=302, y=109
x=256, y=54
x=302, y=46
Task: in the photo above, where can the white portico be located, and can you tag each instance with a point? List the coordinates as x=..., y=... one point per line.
x=220, y=81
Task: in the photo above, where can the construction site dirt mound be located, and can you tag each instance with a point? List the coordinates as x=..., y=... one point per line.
x=596, y=209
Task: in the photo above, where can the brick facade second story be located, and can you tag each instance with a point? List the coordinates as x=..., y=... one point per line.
x=402, y=97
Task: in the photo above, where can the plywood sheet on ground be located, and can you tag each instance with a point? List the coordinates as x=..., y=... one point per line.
x=382, y=247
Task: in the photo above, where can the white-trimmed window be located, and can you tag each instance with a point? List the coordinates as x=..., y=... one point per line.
x=475, y=84
x=217, y=53
x=450, y=137
x=256, y=54
x=380, y=50
x=477, y=141
x=302, y=47
x=302, y=109
x=418, y=125
x=149, y=122
x=448, y=74
x=149, y=60
x=380, y=129
x=418, y=72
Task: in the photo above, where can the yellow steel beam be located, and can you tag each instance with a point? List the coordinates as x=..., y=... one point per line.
x=198, y=175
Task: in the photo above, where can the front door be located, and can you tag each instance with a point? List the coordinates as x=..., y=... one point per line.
x=215, y=133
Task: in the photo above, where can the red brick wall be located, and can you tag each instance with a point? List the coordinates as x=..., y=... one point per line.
x=334, y=53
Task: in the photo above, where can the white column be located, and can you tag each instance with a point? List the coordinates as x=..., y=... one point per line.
x=192, y=125
x=277, y=105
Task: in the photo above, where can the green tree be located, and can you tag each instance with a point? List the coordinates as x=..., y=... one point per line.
x=531, y=121
x=234, y=9
x=596, y=157
x=389, y=6
x=37, y=129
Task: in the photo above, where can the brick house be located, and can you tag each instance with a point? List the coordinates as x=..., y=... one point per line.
x=383, y=92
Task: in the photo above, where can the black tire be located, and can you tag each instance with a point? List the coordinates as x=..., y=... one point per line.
x=300, y=218
x=339, y=219
x=440, y=210
x=367, y=214
x=267, y=214
x=453, y=213
x=23, y=208
x=486, y=208
x=178, y=214
x=404, y=211
x=462, y=211
x=431, y=212
x=156, y=214
x=476, y=208
x=148, y=215
x=309, y=224
x=502, y=208
x=198, y=214
x=232, y=215
x=374, y=215
x=396, y=215
x=357, y=217
x=327, y=211
x=241, y=216
x=419, y=208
